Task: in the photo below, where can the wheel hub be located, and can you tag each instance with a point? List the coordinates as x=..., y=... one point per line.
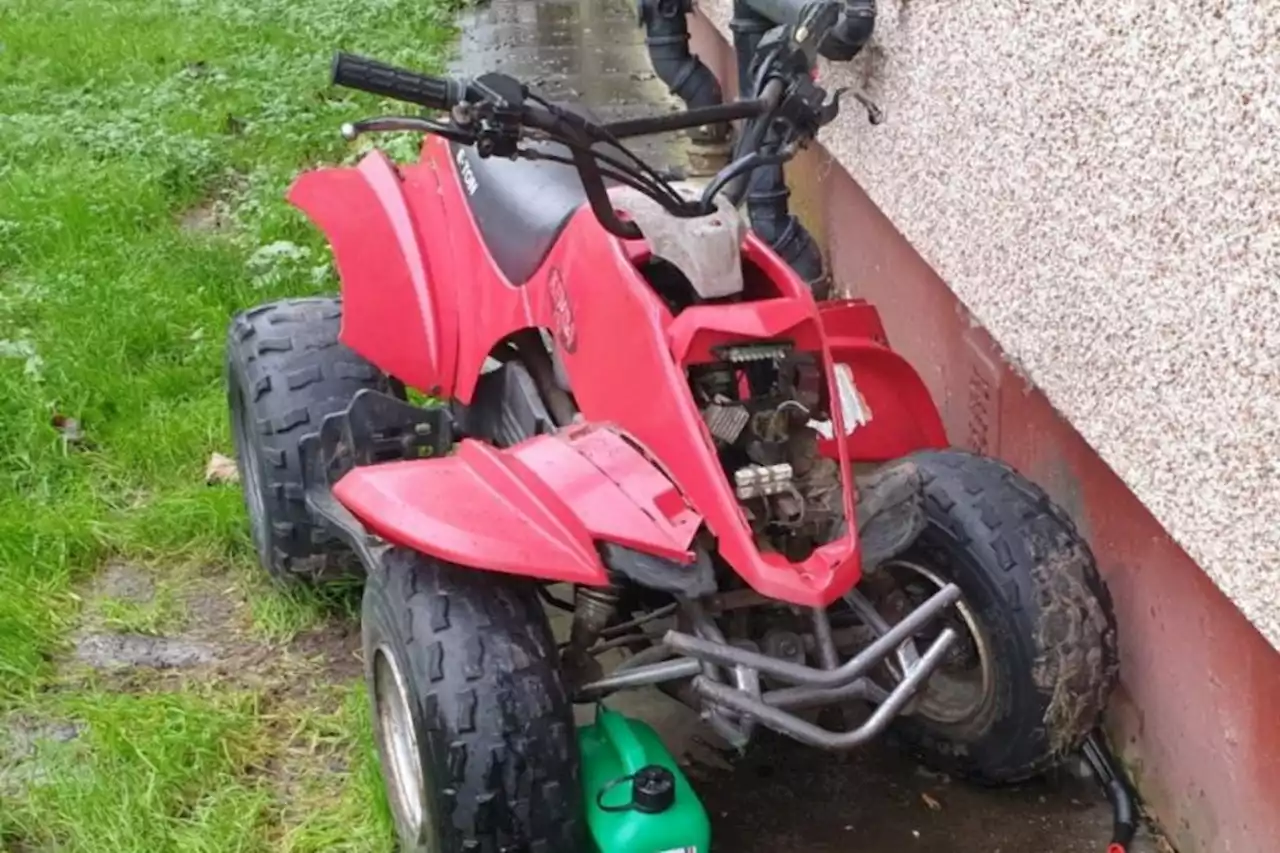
x=403, y=770
x=964, y=684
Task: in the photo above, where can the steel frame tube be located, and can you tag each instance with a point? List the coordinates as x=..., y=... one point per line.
x=806, y=732
x=794, y=698
x=907, y=654
x=794, y=673
x=642, y=676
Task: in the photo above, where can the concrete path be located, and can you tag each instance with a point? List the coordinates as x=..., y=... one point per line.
x=782, y=798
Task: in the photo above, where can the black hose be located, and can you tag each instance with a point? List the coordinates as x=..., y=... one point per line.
x=851, y=34
x=768, y=206
x=846, y=38
x=768, y=209
x=1111, y=778
x=686, y=76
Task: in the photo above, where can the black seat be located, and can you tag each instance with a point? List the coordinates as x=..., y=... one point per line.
x=521, y=206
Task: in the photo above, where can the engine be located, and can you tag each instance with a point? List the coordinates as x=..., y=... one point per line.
x=761, y=404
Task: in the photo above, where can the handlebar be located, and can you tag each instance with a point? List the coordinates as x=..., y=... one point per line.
x=377, y=78
x=496, y=113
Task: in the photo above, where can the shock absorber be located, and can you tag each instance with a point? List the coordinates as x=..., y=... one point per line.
x=593, y=607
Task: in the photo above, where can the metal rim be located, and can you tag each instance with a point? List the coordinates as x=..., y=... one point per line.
x=402, y=766
x=251, y=475
x=964, y=685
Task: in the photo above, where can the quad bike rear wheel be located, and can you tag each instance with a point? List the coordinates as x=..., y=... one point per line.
x=474, y=727
x=1038, y=657
x=286, y=370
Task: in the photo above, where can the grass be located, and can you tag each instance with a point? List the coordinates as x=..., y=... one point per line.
x=145, y=148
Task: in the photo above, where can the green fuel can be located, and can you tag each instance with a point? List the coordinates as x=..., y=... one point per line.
x=637, y=799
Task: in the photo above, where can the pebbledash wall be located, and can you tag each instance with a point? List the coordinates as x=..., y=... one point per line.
x=1071, y=223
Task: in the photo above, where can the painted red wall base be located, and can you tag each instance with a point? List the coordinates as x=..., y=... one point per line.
x=1197, y=715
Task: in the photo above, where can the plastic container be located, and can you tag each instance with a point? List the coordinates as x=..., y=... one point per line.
x=637, y=799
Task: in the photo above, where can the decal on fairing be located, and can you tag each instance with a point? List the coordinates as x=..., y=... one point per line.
x=853, y=406
x=468, y=174
x=562, y=324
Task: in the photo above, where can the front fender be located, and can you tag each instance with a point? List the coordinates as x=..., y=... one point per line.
x=898, y=415
x=535, y=509
x=392, y=314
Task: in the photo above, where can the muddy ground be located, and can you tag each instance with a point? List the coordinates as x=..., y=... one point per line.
x=779, y=798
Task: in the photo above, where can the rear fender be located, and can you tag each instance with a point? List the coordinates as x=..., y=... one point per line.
x=897, y=414
x=393, y=313
x=535, y=509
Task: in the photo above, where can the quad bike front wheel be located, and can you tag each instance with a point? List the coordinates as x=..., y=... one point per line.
x=1038, y=659
x=286, y=371
x=474, y=727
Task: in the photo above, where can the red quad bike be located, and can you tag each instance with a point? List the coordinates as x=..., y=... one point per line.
x=745, y=496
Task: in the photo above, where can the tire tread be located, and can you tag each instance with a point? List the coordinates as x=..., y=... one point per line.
x=492, y=696
x=287, y=356
x=1043, y=574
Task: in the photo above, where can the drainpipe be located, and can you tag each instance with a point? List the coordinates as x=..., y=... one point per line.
x=686, y=76
x=768, y=206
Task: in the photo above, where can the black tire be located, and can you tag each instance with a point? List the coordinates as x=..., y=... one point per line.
x=1033, y=588
x=285, y=371
x=492, y=723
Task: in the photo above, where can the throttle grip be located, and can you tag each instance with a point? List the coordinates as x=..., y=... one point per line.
x=378, y=78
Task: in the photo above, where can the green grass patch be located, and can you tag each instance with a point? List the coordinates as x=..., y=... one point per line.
x=147, y=773
x=145, y=149
x=358, y=817
x=283, y=614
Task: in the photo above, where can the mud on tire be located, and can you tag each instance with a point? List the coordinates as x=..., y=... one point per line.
x=286, y=371
x=1031, y=581
x=488, y=714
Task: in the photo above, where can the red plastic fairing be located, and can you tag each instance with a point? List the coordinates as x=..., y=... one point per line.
x=424, y=300
x=392, y=308
x=535, y=509
x=903, y=417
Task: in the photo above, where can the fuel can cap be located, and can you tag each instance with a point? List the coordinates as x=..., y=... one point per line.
x=653, y=789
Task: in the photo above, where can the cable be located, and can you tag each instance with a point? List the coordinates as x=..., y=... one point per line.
x=621, y=177
x=600, y=134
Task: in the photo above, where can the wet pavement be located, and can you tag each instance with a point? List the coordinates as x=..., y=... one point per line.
x=782, y=797
x=590, y=51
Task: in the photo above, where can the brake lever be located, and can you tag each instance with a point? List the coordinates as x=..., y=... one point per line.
x=353, y=130
x=875, y=115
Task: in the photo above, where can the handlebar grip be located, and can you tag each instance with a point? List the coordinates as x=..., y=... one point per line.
x=377, y=78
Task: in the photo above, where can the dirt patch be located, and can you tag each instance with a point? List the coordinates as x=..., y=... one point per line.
x=209, y=216
x=123, y=582
x=20, y=740
x=208, y=637
x=111, y=651
x=784, y=798
x=335, y=647
x=134, y=621
x=214, y=214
